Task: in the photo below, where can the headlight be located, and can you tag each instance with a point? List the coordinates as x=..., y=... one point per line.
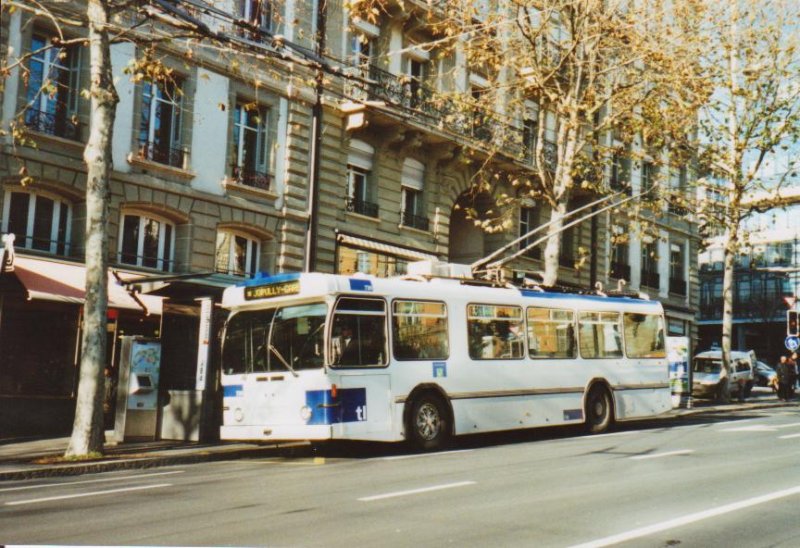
x=305, y=413
x=238, y=414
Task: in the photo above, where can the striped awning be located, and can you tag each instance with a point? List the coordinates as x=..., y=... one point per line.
x=387, y=249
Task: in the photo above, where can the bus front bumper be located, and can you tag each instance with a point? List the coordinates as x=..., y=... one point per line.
x=275, y=433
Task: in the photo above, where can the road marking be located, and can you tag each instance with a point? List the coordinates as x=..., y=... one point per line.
x=403, y=457
x=416, y=491
x=688, y=519
x=667, y=454
x=752, y=428
x=118, y=478
x=91, y=494
x=790, y=425
x=789, y=436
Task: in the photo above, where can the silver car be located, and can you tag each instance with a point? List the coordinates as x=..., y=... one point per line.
x=706, y=368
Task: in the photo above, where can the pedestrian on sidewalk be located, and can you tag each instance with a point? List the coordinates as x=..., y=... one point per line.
x=782, y=369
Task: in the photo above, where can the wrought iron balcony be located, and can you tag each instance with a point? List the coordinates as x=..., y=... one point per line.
x=250, y=177
x=161, y=153
x=651, y=279
x=354, y=205
x=415, y=221
x=56, y=124
x=621, y=271
x=677, y=286
x=438, y=110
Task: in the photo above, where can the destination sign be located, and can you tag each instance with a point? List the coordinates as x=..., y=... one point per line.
x=271, y=290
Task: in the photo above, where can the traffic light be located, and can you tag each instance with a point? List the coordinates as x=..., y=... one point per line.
x=792, y=323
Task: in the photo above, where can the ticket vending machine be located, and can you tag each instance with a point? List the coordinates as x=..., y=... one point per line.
x=137, y=389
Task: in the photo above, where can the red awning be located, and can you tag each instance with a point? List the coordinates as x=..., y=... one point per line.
x=52, y=280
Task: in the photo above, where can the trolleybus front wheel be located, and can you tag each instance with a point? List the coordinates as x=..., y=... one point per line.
x=429, y=423
x=599, y=414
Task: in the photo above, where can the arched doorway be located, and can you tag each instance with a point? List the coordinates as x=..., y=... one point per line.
x=467, y=241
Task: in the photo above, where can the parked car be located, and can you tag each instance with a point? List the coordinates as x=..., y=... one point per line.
x=765, y=375
x=706, y=370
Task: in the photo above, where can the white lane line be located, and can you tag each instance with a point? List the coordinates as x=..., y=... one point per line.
x=752, y=428
x=688, y=519
x=666, y=454
x=403, y=457
x=90, y=494
x=789, y=436
x=117, y=478
x=416, y=491
x=790, y=425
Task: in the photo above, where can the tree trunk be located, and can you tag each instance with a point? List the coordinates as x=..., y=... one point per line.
x=87, y=429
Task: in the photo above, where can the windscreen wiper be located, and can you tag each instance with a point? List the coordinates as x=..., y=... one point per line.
x=283, y=361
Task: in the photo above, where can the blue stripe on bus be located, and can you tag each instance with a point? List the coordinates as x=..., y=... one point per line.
x=360, y=285
x=232, y=391
x=350, y=405
x=597, y=298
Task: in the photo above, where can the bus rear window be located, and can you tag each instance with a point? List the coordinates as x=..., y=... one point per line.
x=644, y=335
x=419, y=330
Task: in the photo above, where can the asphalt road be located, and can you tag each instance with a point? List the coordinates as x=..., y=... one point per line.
x=689, y=482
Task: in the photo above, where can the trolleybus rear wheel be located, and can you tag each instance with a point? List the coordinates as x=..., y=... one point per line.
x=598, y=410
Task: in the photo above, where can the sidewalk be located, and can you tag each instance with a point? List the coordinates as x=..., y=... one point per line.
x=23, y=459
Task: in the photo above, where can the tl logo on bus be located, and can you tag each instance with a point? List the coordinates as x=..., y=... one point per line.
x=349, y=405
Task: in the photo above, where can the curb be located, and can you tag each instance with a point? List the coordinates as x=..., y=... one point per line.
x=138, y=463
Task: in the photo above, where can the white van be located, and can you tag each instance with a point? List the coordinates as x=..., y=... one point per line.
x=706, y=370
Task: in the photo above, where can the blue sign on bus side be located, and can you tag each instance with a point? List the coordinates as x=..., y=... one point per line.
x=439, y=369
x=360, y=285
x=350, y=405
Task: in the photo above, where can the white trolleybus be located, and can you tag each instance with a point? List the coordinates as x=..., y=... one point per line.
x=422, y=358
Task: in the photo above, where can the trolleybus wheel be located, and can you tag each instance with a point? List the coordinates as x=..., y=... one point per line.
x=429, y=423
x=598, y=410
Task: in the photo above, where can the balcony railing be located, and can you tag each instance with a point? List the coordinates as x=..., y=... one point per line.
x=677, y=286
x=651, y=279
x=621, y=271
x=57, y=125
x=415, y=221
x=250, y=177
x=435, y=109
x=362, y=207
x=161, y=153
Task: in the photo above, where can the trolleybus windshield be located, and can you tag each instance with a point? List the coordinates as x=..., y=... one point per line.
x=278, y=339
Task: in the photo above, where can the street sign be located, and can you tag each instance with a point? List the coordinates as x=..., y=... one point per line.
x=792, y=343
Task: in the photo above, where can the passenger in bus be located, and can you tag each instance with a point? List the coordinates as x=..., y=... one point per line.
x=345, y=347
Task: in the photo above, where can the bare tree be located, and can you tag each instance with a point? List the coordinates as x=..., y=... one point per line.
x=591, y=73
x=751, y=64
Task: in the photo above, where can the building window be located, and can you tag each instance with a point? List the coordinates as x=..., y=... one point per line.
x=358, y=192
x=677, y=269
x=251, y=145
x=350, y=260
x=237, y=254
x=566, y=255
x=412, y=182
x=360, y=50
x=37, y=221
x=528, y=220
x=530, y=132
x=650, y=277
x=415, y=75
x=147, y=242
x=620, y=174
x=160, y=124
x=53, y=89
x=359, y=197
x=258, y=13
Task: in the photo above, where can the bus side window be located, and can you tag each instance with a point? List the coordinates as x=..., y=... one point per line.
x=495, y=332
x=419, y=330
x=599, y=335
x=551, y=333
x=358, y=338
